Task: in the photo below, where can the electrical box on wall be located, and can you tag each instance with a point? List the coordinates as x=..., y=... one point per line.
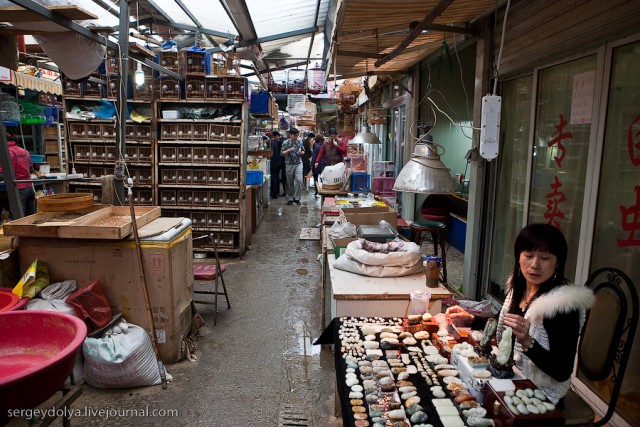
x=490, y=126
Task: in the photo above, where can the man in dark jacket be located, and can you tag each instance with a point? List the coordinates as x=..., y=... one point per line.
x=282, y=176
x=276, y=164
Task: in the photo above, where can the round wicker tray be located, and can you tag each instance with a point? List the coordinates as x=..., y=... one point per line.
x=65, y=202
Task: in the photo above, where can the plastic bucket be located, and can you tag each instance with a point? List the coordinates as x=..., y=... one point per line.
x=419, y=302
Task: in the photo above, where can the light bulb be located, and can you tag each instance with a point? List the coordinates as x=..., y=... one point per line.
x=139, y=75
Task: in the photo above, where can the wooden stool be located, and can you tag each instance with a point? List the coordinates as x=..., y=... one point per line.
x=209, y=273
x=438, y=233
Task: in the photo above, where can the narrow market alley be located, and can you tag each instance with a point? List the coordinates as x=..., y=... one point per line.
x=257, y=365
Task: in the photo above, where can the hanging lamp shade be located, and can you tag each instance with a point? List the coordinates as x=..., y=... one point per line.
x=365, y=137
x=425, y=172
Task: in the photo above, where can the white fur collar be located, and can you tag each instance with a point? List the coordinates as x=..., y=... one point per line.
x=562, y=299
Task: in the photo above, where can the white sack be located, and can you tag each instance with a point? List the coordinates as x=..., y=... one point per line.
x=123, y=357
x=52, y=298
x=333, y=175
x=404, y=262
x=407, y=256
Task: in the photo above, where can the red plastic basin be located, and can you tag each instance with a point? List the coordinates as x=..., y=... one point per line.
x=37, y=354
x=10, y=301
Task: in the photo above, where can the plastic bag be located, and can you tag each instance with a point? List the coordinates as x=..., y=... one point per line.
x=478, y=308
x=342, y=228
x=91, y=305
x=34, y=280
x=53, y=298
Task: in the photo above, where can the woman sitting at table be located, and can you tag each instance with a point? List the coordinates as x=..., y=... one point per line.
x=545, y=312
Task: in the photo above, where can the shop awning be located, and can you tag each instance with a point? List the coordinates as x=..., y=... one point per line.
x=25, y=81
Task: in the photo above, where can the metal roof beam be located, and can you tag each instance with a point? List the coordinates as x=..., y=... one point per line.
x=297, y=64
x=415, y=32
x=72, y=26
x=394, y=29
x=373, y=55
x=186, y=10
x=281, y=36
x=159, y=10
x=239, y=14
x=107, y=7
x=192, y=28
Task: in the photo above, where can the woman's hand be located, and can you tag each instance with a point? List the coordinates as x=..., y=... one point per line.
x=459, y=316
x=520, y=327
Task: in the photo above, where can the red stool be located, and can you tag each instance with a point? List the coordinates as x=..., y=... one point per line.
x=438, y=233
x=209, y=273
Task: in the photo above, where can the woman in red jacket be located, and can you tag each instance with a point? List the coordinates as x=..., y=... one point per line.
x=332, y=151
x=22, y=167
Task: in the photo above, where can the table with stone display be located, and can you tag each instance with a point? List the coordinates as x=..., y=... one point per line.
x=389, y=377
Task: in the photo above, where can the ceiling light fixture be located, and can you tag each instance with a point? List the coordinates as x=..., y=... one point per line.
x=139, y=75
x=425, y=173
x=365, y=137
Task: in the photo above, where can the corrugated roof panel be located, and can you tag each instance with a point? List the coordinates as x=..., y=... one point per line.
x=284, y=16
x=211, y=15
x=175, y=12
x=367, y=15
x=294, y=48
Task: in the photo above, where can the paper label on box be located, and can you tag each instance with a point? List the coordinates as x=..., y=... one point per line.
x=162, y=336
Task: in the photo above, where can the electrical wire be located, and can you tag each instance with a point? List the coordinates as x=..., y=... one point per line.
x=504, y=29
x=450, y=119
x=464, y=88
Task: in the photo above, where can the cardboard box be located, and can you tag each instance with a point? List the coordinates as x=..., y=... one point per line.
x=168, y=270
x=340, y=245
x=371, y=216
x=383, y=169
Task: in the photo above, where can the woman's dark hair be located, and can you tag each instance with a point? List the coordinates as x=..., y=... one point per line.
x=538, y=237
x=318, y=138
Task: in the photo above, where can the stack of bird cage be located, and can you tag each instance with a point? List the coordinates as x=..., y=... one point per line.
x=308, y=118
x=348, y=95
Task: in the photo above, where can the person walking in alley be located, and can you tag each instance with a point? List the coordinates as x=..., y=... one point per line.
x=282, y=176
x=22, y=167
x=308, y=150
x=332, y=151
x=275, y=165
x=317, y=167
x=293, y=150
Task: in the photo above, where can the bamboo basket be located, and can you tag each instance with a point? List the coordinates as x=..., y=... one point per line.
x=65, y=202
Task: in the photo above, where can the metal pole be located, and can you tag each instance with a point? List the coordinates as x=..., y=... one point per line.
x=121, y=123
x=9, y=175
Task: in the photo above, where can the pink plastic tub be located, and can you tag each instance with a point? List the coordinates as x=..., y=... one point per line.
x=37, y=354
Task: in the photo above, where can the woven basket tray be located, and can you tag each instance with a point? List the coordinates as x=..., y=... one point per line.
x=65, y=202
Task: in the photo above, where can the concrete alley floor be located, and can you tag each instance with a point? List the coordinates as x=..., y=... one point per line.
x=258, y=360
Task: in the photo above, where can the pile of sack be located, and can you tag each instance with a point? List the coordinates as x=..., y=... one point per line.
x=392, y=259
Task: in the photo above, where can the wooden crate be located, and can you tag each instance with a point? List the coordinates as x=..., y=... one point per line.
x=168, y=154
x=168, y=197
x=214, y=220
x=145, y=91
x=71, y=88
x=96, y=222
x=195, y=88
x=216, y=200
x=169, y=89
x=172, y=61
x=215, y=89
x=199, y=177
x=143, y=133
x=236, y=88
x=168, y=132
x=195, y=63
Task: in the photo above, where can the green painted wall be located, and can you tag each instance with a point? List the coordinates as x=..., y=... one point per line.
x=443, y=82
